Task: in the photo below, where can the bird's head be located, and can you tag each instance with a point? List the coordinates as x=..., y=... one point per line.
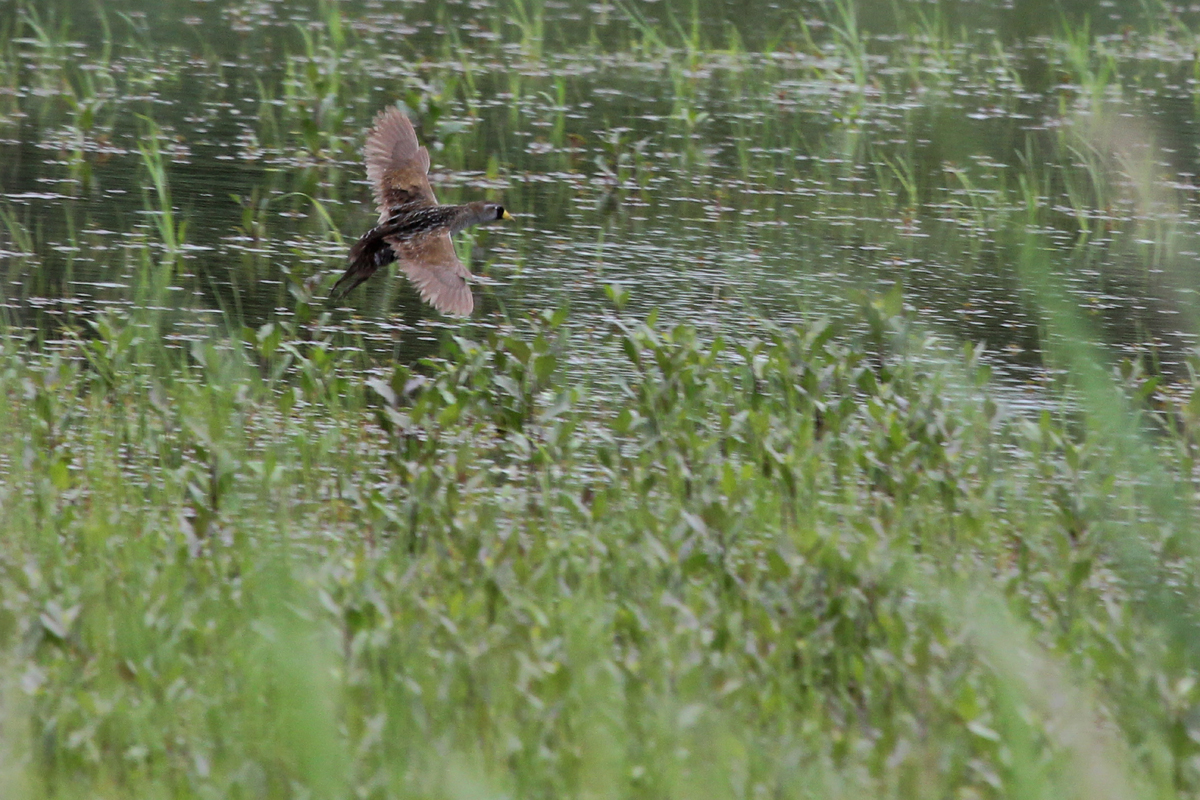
x=496, y=211
x=478, y=213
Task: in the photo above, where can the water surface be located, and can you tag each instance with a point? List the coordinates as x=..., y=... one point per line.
x=730, y=164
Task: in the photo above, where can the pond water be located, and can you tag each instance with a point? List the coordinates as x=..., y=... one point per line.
x=729, y=163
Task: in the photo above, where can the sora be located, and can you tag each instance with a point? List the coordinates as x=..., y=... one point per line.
x=412, y=227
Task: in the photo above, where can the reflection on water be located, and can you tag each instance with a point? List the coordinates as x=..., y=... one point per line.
x=730, y=164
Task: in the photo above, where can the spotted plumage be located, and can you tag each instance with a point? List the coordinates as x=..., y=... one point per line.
x=412, y=227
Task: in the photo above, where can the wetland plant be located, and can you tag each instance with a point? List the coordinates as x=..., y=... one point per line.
x=778, y=511
x=610, y=551
x=171, y=232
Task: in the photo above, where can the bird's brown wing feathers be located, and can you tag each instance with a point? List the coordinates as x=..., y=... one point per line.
x=397, y=168
x=432, y=265
x=397, y=165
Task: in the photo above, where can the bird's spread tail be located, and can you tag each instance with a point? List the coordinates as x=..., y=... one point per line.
x=356, y=274
x=368, y=254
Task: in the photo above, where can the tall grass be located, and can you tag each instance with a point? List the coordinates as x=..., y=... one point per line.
x=834, y=558
x=463, y=579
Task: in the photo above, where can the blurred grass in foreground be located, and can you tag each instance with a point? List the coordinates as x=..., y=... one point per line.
x=827, y=560
x=824, y=562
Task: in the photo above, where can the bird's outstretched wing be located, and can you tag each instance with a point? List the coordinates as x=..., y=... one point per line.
x=397, y=169
x=397, y=165
x=433, y=267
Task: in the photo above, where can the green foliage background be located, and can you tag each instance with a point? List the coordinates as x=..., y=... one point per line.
x=834, y=558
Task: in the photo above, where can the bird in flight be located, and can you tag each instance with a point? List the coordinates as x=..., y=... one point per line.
x=412, y=229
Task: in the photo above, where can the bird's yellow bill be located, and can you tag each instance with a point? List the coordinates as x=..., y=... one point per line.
x=506, y=215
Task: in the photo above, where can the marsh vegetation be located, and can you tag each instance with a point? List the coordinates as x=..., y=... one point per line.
x=827, y=426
